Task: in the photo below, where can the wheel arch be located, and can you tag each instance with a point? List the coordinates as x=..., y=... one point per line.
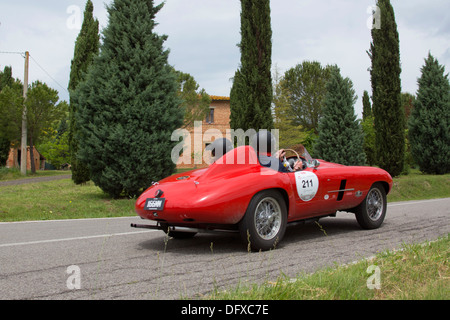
x=285, y=196
x=281, y=191
x=384, y=184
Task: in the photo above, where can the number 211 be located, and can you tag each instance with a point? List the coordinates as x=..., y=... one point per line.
x=307, y=183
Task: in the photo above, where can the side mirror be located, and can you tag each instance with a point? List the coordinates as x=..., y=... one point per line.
x=316, y=163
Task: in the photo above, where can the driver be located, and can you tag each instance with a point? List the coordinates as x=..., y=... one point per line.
x=263, y=142
x=281, y=155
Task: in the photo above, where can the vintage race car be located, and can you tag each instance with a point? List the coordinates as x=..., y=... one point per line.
x=238, y=194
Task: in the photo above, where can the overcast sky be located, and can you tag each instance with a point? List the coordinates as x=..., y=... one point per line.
x=203, y=35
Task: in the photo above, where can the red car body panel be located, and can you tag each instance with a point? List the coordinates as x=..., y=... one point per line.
x=220, y=194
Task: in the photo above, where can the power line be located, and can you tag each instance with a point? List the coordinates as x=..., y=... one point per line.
x=48, y=73
x=37, y=63
x=13, y=52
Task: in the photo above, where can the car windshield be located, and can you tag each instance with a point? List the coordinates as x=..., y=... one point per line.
x=301, y=151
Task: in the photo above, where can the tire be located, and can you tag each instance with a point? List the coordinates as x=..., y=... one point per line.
x=371, y=212
x=264, y=223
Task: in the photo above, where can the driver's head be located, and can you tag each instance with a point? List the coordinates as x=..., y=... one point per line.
x=263, y=142
x=219, y=148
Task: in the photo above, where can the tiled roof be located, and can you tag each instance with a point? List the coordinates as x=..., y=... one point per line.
x=220, y=98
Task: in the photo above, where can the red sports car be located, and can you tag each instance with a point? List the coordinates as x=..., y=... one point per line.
x=239, y=194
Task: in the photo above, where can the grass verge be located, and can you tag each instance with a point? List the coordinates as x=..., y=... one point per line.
x=54, y=200
x=415, y=272
x=419, y=186
x=60, y=199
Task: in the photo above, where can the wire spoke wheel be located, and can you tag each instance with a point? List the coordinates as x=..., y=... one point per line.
x=264, y=222
x=268, y=218
x=371, y=212
x=374, y=204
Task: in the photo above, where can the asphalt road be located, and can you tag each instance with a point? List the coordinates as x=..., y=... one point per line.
x=114, y=261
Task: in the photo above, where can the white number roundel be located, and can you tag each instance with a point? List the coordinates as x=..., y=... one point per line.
x=307, y=184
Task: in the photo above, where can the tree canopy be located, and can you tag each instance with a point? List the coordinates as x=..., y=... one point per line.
x=251, y=93
x=128, y=104
x=387, y=110
x=429, y=122
x=195, y=102
x=340, y=135
x=305, y=87
x=86, y=49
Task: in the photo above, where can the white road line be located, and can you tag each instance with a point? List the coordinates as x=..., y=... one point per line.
x=72, y=239
x=405, y=203
x=69, y=220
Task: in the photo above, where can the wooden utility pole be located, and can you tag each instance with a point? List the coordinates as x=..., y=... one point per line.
x=24, y=153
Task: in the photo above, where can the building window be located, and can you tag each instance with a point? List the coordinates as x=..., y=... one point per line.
x=210, y=116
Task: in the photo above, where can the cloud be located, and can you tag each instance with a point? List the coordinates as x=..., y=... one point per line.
x=203, y=35
x=203, y=42
x=39, y=28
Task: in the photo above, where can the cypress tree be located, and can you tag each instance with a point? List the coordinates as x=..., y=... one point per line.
x=251, y=94
x=429, y=122
x=128, y=105
x=86, y=48
x=367, y=107
x=386, y=92
x=340, y=135
x=368, y=130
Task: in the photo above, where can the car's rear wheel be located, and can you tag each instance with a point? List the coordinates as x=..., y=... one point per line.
x=371, y=212
x=264, y=223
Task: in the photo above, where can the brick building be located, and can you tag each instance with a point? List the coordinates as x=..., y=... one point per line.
x=214, y=126
x=14, y=159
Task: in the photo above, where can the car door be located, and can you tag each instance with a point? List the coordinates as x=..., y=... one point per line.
x=318, y=191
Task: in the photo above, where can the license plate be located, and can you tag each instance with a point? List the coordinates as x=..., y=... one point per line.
x=154, y=204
